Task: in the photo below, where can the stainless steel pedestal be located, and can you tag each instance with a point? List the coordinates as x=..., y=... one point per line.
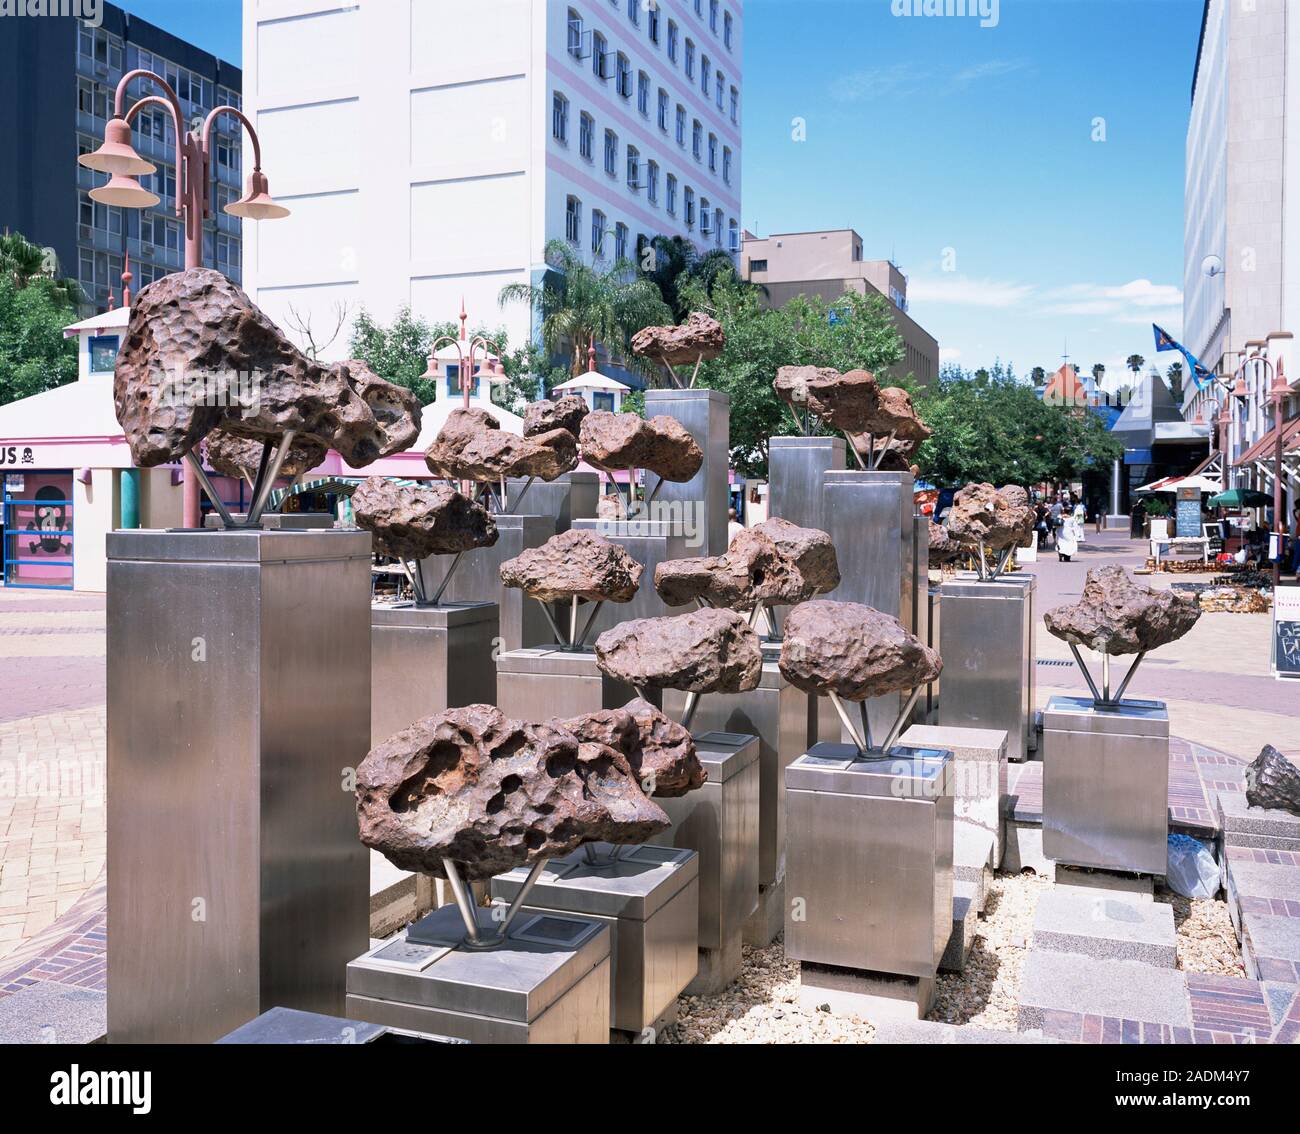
x=1106, y=784
x=548, y=984
x=987, y=644
x=920, y=594
x=537, y=684
x=649, y=897
x=928, y=705
x=238, y=668
x=649, y=542
x=719, y=821
x=703, y=500
x=429, y=658
x=277, y=521
x=869, y=881
x=796, y=468
x=570, y=497
x=478, y=578
x=776, y=713
x=869, y=516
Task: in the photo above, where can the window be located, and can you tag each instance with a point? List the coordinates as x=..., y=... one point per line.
x=672, y=42
x=643, y=93
x=713, y=153
x=704, y=75
x=726, y=35
x=103, y=353
x=688, y=197
x=597, y=233
x=663, y=110
x=652, y=181
x=670, y=194
x=758, y=265
x=620, y=241
x=602, y=400
x=623, y=75
x=697, y=139
x=726, y=164
x=575, y=34
x=634, y=12
x=633, y=168
x=733, y=236
x=735, y=105
x=697, y=7
x=719, y=82
x=586, y=134
x=690, y=59
x=611, y=153
x=599, y=53
x=572, y=219
x=717, y=227
x=705, y=227
x=652, y=23
x=681, y=125
x=713, y=16
x=560, y=118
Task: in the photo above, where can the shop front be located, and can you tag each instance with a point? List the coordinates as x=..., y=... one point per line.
x=37, y=523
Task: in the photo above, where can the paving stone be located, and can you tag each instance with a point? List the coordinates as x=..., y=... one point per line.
x=1074, y=984
x=1025, y=791
x=932, y=1031
x=1270, y=947
x=1264, y=827
x=48, y=1012
x=1097, y=925
x=1263, y=887
x=1281, y=998
x=1230, y=1004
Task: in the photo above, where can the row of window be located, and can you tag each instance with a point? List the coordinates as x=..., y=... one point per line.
x=634, y=8
x=713, y=83
x=96, y=46
x=712, y=223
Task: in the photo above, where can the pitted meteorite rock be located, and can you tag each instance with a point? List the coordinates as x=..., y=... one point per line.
x=472, y=446
x=997, y=517
x=660, y=751
x=491, y=794
x=200, y=354
x=241, y=457
x=1273, y=781
x=705, y=651
x=776, y=563
x=411, y=521
x=661, y=445
x=1117, y=615
x=576, y=563
x=843, y=401
x=942, y=548
x=853, y=650
x=895, y=414
x=701, y=336
x=562, y=413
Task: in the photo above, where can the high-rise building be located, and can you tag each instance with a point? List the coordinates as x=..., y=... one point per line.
x=827, y=264
x=57, y=81
x=430, y=149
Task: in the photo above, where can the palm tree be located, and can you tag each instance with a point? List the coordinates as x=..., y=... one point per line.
x=22, y=261
x=1175, y=376
x=1134, y=363
x=1038, y=376
x=581, y=304
x=1098, y=372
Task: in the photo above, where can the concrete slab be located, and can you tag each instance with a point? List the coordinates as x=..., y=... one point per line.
x=869, y=996
x=1070, y=920
x=1267, y=828
x=1124, y=887
x=50, y=1012
x=931, y=1031
x=979, y=774
x=1073, y=984
x=964, y=919
x=1265, y=881
x=1024, y=849
x=397, y=897
x=1270, y=947
x=972, y=857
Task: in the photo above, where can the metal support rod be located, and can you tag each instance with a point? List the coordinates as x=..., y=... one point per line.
x=522, y=493
x=846, y=721
x=1092, y=685
x=437, y=598
x=1004, y=557
x=1123, y=685
x=902, y=720
x=272, y=471
x=513, y=909
x=672, y=373
x=260, y=476
x=1105, y=676
x=591, y=618
x=983, y=565
x=696, y=371
x=464, y=901
x=416, y=571
x=878, y=452
x=865, y=718
x=573, y=621
x=856, y=455
x=688, y=713
x=555, y=626
x=196, y=466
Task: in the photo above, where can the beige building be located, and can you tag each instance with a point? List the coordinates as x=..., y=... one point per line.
x=828, y=264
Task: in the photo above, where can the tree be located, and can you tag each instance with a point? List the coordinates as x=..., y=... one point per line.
x=1134, y=363
x=676, y=262
x=580, y=304
x=1098, y=372
x=1175, y=376
x=34, y=355
x=1038, y=376
x=22, y=262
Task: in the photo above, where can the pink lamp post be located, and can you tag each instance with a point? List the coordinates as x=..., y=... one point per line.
x=1277, y=393
x=118, y=158
x=468, y=352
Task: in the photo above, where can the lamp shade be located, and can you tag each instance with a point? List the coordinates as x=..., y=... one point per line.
x=124, y=191
x=257, y=202
x=117, y=154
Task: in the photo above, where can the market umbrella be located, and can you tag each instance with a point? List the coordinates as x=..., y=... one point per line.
x=1241, y=498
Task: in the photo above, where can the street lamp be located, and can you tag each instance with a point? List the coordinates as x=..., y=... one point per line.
x=1277, y=394
x=467, y=351
x=118, y=158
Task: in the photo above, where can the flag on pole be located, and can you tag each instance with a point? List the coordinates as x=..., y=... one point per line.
x=1165, y=341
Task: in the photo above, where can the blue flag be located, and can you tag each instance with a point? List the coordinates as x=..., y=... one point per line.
x=1165, y=341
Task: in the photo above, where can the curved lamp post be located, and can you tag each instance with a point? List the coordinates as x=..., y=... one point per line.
x=468, y=351
x=118, y=158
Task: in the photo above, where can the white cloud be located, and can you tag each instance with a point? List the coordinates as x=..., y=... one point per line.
x=967, y=291
x=899, y=79
x=1115, y=301
x=949, y=354
x=992, y=69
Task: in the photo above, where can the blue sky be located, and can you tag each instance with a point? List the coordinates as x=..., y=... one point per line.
x=966, y=153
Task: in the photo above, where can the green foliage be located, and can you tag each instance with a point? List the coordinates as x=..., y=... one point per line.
x=22, y=262
x=677, y=263
x=1154, y=506
x=34, y=355
x=989, y=426
x=761, y=340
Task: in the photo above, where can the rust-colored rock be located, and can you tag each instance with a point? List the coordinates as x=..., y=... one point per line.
x=472, y=446
x=895, y=414
x=1117, y=615
x=660, y=751
x=701, y=336
x=853, y=650
x=411, y=521
x=241, y=457
x=561, y=413
x=1272, y=781
x=200, y=354
x=997, y=517
x=661, y=445
x=491, y=794
x=705, y=651
x=843, y=401
x=577, y=563
x=942, y=548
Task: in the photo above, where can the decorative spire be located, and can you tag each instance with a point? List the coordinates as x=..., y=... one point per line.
x=111, y=301
x=126, y=281
x=463, y=317
x=591, y=358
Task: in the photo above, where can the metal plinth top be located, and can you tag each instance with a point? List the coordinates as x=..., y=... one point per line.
x=447, y=614
x=544, y=956
x=549, y=660
x=839, y=477
x=905, y=772
x=968, y=584
x=822, y=441
x=1130, y=717
x=631, y=882
x=237, y=545
x=725, y=754
x=688, y=394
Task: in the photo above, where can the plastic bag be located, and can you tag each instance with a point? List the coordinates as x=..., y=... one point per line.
x=1192, y=871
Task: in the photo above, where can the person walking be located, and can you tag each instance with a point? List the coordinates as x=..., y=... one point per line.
x=1067, y=541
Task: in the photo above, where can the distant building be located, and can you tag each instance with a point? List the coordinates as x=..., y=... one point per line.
x=57, y=79
x=828, y=264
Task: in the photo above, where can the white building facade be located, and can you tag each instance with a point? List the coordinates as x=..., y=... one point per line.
x=429, y=149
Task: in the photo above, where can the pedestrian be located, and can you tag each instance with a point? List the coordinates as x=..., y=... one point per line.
x=734, y=526
x=1041, y=525
x=1067, y=541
